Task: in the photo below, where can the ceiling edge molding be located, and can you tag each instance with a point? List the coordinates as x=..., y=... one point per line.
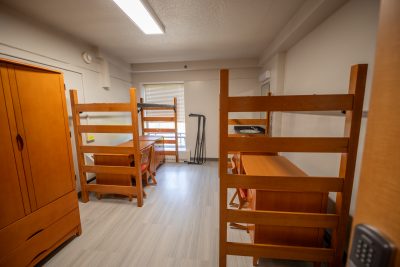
x=194, y=65
x=307, y=18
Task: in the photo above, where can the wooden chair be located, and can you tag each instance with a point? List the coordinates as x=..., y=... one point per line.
x=147, y=158
x=240, y=193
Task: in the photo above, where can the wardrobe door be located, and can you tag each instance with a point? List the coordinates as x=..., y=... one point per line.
x=39, y=101
x=11, y=199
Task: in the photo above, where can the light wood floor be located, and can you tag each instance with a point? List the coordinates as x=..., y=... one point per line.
x=177, y=226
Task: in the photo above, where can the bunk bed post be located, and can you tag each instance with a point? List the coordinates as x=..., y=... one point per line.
x=142, y=116
x=137, y=155
x=223, y=165
x=268, y=120
x=176, y=129
x=78, y=143
x=348, y=160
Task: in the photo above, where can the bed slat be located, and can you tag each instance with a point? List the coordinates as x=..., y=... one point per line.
x=290, y=103
x=112, y=189
x=280, y=252
x=158, y=119
x=103, y=107
x=247, y=121
x=288, y=144
x=275, y=218
x=158, y=130
x=284, y=183
x=109, y=169
x=107, y=149
x=105, y=129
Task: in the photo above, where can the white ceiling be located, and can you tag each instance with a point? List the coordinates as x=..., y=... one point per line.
x=195, y=29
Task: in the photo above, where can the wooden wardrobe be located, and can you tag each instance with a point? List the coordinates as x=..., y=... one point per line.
x=38, y=201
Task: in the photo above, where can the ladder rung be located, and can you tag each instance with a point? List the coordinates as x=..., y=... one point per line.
x=105, y=128
x=109, y=169
x=284, y=183
x=159, y=130
x=287, y=144
x=280, y=252
x=158, y=119
x=277, y=218
x=112, y=189
x=108, y=149
x=103, y=107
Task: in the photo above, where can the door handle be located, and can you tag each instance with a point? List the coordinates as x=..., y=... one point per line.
x=20, y=142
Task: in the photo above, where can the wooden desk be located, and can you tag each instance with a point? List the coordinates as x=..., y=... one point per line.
x=142, y=143
x=157, y=142
x=128, y=160
x=282, y=201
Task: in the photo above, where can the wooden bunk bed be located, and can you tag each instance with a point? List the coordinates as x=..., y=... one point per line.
x=127, y=188
x=148, y=131
x=279, y=179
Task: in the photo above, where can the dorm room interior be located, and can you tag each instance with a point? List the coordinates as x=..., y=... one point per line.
x=210, y=133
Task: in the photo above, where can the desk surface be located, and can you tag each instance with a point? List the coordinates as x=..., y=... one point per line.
x=144, y=142
x=150, y=138
x=270, y=166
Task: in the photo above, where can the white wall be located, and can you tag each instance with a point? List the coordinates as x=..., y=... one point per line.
x=202, y=96
x=276, y=66
x=24, y=39
x=320, y=63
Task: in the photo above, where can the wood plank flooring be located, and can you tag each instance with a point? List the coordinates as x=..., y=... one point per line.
x=177, y=226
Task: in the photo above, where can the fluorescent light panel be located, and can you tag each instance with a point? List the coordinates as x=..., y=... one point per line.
x=142, y=15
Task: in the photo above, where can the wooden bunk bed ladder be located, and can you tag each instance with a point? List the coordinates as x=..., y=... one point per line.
x=129, y=189
x=346, y=145
x=147, y=130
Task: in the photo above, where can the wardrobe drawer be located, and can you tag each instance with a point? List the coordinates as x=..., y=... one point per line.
x=33, y=250
x=28, y=227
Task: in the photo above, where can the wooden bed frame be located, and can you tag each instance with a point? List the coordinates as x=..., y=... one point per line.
x=129, y=190
x=146, y=130
x=347, y=146
x=259, y=122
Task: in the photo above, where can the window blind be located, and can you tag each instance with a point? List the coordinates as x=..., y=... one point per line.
x=164, y=94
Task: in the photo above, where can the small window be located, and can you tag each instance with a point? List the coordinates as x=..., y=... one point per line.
x=164, y=93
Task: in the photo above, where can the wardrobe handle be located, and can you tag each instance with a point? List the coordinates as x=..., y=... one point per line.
x=20, y=142
x=35, y=233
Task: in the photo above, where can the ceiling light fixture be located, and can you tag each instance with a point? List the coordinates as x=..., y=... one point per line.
x=141, y=13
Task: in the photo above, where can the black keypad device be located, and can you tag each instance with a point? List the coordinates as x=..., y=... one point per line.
x=370, y=248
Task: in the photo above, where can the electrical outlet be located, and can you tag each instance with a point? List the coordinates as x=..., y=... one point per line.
x=370, y=248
